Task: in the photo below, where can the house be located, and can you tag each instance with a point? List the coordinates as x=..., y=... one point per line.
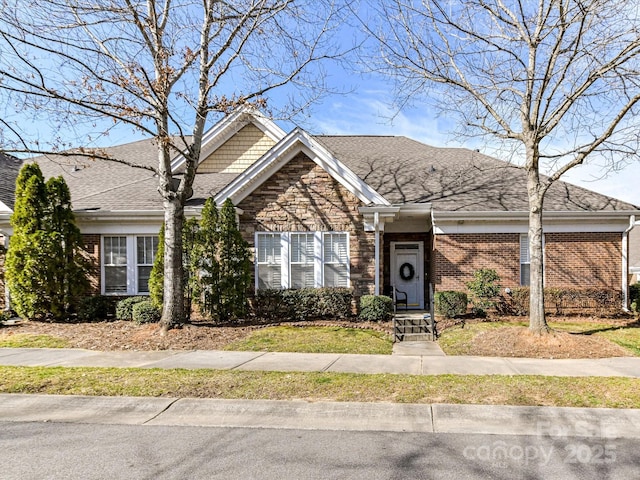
x=365, y=212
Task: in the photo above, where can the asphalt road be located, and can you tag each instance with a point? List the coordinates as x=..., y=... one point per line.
x=38, y=450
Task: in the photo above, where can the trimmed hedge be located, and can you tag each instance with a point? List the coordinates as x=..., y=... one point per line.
x=95, y=308
x=145, y=312
x=124, y=308
x=303, y=304
x=451, y=303
x=563, y=301
x=375, y=308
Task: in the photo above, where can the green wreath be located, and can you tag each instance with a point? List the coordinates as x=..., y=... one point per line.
x=409, y=274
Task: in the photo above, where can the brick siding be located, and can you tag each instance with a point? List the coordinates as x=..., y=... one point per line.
x=572, y=260
x=583, y=260
x=92, y=247
x=303, y=197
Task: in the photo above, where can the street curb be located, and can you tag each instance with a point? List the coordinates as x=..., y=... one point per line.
x=553, y=422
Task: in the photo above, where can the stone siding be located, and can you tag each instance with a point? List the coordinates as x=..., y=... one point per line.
x=303, y=197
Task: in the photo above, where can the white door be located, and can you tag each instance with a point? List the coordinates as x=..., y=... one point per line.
x=407, y=265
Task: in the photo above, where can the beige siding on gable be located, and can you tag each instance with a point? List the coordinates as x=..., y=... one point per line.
x=239, y=152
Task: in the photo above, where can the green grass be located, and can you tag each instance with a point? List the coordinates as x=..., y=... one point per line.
x=315, y=340
x=26, y=340
x=469, y=389
x=457, y=340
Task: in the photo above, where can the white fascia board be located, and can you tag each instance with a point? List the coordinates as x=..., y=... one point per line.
x=227, y=127
x=416, y=209
x=280, y=154
x=517, y=222
x=4, y=208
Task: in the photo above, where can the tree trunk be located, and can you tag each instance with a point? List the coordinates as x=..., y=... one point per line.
x=173, y=305
x=537, y=320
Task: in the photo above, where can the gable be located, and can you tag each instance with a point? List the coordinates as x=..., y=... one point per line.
x=239, y=152
x=302, y=196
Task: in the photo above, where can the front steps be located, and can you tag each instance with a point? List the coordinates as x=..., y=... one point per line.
x=414, y=326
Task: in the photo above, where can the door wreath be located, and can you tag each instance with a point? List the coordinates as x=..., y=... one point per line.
x=407, y=271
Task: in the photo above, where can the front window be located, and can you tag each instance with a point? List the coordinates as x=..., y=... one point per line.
x=525, y=261
x=146, y=250
x=115, y=265
x=302, y=259
x=127, y=261
x=336, y=260
x=268, y=260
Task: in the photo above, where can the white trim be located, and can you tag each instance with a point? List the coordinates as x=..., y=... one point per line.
x=625, y=263
x=4, y=208
x=512, y=224
x=280, y=154
x=227, y=127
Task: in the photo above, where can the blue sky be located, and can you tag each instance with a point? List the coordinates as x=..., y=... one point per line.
x=367, y=110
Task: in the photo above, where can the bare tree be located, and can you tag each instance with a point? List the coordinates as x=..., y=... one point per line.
x=161, y=66
x=555, y=81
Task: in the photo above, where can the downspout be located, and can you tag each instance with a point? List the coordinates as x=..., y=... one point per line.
x=625, y=264
x=376, y=225
x=7, y=296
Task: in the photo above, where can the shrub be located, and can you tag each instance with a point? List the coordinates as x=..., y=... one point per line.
x=634, y=297
x=450, y=303
x=145, y=312
x=375, y=308
x=124, y=308
x=95, y=308
x=563, y=301
x=303, y=304
x=335, y=302
x=484, y=289
x=269, y=305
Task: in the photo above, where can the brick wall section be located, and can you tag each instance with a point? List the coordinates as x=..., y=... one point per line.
x=583, y=260
x=572, y=260
x=239, y=152
x=92, y=247
x=457, y=256
x=303, y=197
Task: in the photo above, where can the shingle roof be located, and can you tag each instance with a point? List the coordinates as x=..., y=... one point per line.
x=10, y=167
x=453, y=179
x=400, y=169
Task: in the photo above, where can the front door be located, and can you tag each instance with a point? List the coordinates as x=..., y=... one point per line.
x=407, y=265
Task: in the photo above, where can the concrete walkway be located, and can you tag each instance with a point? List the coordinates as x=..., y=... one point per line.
x=405, y=363
x=436, y=418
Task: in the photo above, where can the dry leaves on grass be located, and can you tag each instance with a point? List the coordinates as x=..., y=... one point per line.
x=520, y=342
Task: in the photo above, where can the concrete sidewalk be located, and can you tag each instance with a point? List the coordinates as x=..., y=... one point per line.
x=323, y=362
x=592, y=423
x=436, y=418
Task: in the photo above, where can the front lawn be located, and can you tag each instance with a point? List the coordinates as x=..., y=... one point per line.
x=570, y=339
x=25, y=340
x=609, y=392
x=314, y=340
